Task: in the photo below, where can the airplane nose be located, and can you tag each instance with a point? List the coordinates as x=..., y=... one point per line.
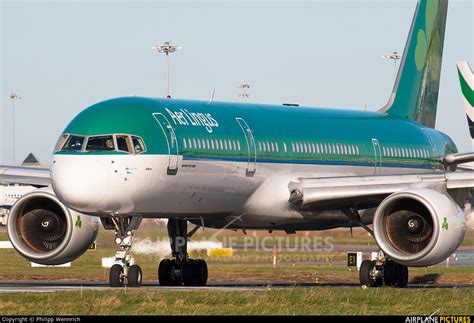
x=80, y=182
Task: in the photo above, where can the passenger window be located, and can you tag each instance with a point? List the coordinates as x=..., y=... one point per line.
x=212, y=144
x=208, y=144
x=276, y=146
x=284, y=147
x=238, y=145
x=138, y=145
x=73, y=143
x=184, y=143
x=100, y=143
x=123, y=143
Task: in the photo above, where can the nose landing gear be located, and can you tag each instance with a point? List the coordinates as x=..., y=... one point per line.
x=181, y=270
x=124, y=271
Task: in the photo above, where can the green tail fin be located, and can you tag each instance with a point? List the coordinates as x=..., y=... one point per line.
x=466, y=77
x=415, y=94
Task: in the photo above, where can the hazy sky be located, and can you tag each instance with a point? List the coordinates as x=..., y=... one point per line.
x=62, y=56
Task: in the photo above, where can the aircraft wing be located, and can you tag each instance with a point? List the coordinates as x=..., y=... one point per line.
x=29, y=175
x=368, y=191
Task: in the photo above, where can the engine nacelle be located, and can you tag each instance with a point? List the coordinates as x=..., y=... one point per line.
x=45, y=231
x=419, y=227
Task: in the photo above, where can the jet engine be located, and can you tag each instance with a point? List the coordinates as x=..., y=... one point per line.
x=45, y=231
x=419, y=227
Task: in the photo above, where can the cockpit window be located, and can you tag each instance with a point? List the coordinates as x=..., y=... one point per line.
x=100, y=143
x=60, y=142
x=123, y=143
x=73, y=143
x=138, y=145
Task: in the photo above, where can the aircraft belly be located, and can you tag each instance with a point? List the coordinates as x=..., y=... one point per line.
x=221, y=190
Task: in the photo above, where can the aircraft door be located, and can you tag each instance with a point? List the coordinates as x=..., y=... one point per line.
x=377, y=156
x=171, y=141
x=251, y=148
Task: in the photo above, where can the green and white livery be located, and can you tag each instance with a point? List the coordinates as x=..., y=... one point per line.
x=256, y=166
x=466, y=79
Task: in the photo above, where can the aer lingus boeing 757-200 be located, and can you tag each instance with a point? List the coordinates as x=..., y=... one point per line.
x=254, y=166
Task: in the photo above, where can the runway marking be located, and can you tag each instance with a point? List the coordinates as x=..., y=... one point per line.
x=55, y=286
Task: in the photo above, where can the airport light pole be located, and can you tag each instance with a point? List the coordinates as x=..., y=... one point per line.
x=167, y=48
x=13, y=97
x=395, y=56
x=244, y=86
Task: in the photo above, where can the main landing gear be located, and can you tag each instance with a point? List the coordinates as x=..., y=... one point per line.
x=123, y=272
x=181, y=270
x=382, y=271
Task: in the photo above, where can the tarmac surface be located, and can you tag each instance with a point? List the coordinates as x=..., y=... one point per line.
x=59, y=286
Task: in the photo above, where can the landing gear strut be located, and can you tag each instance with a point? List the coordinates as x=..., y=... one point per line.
x=382, y=271
x=123, y=271
x=181, y=270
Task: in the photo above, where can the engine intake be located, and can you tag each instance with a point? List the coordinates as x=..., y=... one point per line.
x=45, y=231
x=419, y=227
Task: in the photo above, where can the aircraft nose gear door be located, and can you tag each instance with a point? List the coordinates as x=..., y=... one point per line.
x=377, y=156
x=171, y=140
x=251, y=149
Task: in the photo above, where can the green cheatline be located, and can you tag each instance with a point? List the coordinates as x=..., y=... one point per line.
x=466, y=90
x=445, y=224
x=78, y=222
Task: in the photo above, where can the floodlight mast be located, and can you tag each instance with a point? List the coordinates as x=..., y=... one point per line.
x=395, y=56
x=244, y=86
x=13, y=97
x=167, y=48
